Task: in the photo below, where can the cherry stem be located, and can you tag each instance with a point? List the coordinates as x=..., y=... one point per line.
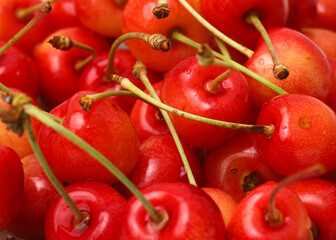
x=47, y=170
x=5, y=89
x=244, y=50
x=120, y=3
x=140, y=72
x=64, y=43
x=156, y=41
x=213, y=86
x=273, y=214
x=225, y=52
x=182, y=38
x=280, y=70
x=206, y=57
x=45, y=119
x=24, y=13
x=161, y=10
x=266, y=130
x=44, y=10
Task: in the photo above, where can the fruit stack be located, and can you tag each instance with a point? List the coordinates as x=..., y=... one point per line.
x=168, y=119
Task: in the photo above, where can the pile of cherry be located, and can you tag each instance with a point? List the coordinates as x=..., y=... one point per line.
x=200, y=177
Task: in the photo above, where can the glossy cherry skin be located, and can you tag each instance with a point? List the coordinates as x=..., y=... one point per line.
x=192, y=214
x=105, y=127
x=159, y=161
x=38, y=193
x=11, y=185
x=301, y=12
x=148, y=120
x=93, y=74
x=304, y=133
x=101, y=16
x=324, y=38
x=17, y=70
x=64, y=14
x=332, y=102
x=103, y=204
x=59, y=79
x=310, y=71
x=326, y=15
x=183, y=88
x=138, y=17
x=248, y=218
x=237, y=167
x=228, y=16
x=319, y=197
x=10, y=24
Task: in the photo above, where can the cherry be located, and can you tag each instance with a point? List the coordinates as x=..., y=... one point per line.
x=319, y=198
x=237, y=166
x=59, y=78
x=138, y=17
x=105, y=127
x=311, y=73
x=11, y=185
x=304, y=133
x=326, y=13
x=301, y=13
x=184, y=89
x=64, y=14
x=38, y=193
x=101, y=205
x=186, y=212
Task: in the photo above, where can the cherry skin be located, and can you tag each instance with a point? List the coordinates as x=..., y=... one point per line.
x=237, y=166
x=101, y=16
x=138, y=17
x=319, y=198
x=10, y=24
x=324, y=38
x=160, y=161
x=326, y=15
x=304, y=133
x=64, y=14
x=148, y=120
x=332, y=102
x=248, y=218
x=38, y=193
x=93, y=74
x=11, y=185
x=310, y=71
x=228, y=16
x=301, y=12
x=102, y=203
x=105, y=127
x=59, y=79
x=191, y=213
x=183, y=88
x=17, y=70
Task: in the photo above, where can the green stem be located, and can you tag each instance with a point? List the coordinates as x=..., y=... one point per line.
x=42, y=117
x=247, y=52
x=225, y=52
x=99, y=96
x=24, y=13
x=182, y=38
x=58, y=186
x=45, y=9
x=213, y=85
x=149, y=87
x=5, y=89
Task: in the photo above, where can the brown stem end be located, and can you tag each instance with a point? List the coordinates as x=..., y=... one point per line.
x=159, y=42
x=61, y=43
x=139, y=68
x=280, y=71
x=86, y=102
x=161, y=10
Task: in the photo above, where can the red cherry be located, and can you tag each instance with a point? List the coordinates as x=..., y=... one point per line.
x=191, y=214
x=326, y=15
x=64, y=14
x=248, y=218
x=38, y=193
x=310, y=71
x=138, y=17
x=106, y=127
x=11, y=185
x=228, y=16
x=184, y=89
x=59, y=79
x=319, y=197
x=304, y=133
x=301, y=12
x=101, y=202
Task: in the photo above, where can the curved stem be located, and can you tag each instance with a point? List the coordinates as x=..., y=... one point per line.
x=24, y=13
x=225, y=52
x=39, y=155
x=213, y=86
x=182, y=38
x=280, y=70
x=244, y=50
x=156, y=41
x=45, y=119
x=142, y=73
x=44, y=10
